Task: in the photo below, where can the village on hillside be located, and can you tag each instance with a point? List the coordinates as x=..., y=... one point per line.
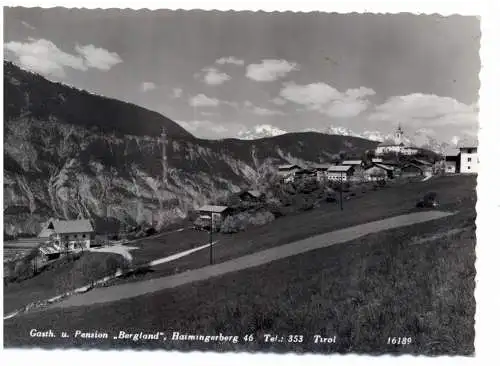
x=287, y=188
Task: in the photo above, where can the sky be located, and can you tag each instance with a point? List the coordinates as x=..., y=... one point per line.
x=232, y=74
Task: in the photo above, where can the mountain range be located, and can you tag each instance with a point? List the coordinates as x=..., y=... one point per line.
x=420, y=138
x=71, y=154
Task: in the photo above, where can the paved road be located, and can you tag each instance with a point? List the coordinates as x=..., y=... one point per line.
x=128, y=290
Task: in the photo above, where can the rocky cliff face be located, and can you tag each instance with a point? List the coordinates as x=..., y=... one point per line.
x=61, y=164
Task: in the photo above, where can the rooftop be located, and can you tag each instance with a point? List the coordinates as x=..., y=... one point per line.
x=287, y=166
x=352, y=162
x=213, y=208
x=67, y=227
x=339, y=168
x=385, y=167
x=322, y=166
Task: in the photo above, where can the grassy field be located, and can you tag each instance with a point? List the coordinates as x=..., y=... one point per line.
x=61, y=276
x=453, y=192
x=363, y=292
x=391, y=284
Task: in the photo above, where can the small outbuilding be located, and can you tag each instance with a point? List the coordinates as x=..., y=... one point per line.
x=251, y=195
x=411, y=170
x=211, y=215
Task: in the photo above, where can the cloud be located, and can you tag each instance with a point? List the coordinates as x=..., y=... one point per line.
x=212, y=76
x=270, y=70
x=278, y=101
x=97, y=57
x=177, y=92
x=427, y=111
x=229, y=60
x=326, y=99
x=27, y=25
x=201, y=100
x=266, y=112
x=44, y=57
x=147, y=86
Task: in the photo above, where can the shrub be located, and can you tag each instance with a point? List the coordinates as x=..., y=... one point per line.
x=261, y=218
x=285, y=200
x=276, y=210
x=307, y=204
x=307, y=185
x=232, y=224
x=331, y=197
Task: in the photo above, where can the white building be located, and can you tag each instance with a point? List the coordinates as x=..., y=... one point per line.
x=339, y=172
x=70, y=234
x=396, y=146
x=469, y=159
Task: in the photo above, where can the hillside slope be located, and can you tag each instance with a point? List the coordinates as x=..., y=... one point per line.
x=69, y=153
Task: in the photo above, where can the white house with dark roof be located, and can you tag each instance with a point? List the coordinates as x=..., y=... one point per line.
x=71, y=234
x=339, y=172
x=469, y=159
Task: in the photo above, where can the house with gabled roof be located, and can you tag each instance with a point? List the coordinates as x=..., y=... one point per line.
x=321, y=171
x=250, y=195
x=287, y=171
x=71, y=234
x=339, y=172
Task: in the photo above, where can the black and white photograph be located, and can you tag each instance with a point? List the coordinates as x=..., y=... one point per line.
x=240, y=181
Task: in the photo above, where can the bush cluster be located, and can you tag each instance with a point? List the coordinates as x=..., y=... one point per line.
x=241, y=221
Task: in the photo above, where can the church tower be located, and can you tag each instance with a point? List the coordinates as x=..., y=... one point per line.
x=398, y=137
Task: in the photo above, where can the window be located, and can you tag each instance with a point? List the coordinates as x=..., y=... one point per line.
x=84, y=236
x=469, y=160
x=468, y=167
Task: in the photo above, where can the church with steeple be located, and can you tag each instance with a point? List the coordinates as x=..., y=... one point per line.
x=396, y=145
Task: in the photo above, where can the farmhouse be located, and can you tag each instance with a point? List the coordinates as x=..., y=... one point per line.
x=358, y=169
x=376, y=173
x=452, y=161
x=69, y=233
x=379, y=172
x=469, y=159
x=411, y=170
x=339, y=172
x=287, y=172
x=321, y=170
x=252, y=195
x=305, y=173
x=210, y=214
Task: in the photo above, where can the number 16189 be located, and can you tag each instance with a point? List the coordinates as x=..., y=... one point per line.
x=399, y=340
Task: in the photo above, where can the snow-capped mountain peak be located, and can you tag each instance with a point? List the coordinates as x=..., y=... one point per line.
x=260, y=131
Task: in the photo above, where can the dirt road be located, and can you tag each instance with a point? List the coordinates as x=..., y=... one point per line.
x=128, y=290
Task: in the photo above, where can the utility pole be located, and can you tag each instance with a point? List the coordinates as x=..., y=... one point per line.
x=341, y=193
x=210, y=237
x=163, y=141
